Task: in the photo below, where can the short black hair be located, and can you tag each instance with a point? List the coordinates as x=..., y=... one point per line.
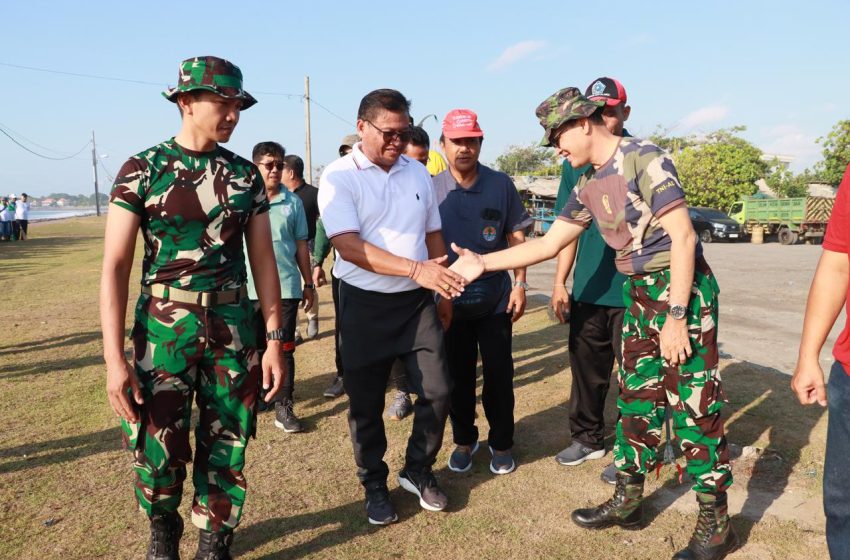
x=418, y=137
x=386, y=99
x=268, y=149
x=296, y=164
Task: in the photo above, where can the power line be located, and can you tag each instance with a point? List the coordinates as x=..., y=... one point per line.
x=42, y=155
x=346, y=121
x=79, y=75
x=21, y=136
x=105, y=170
x=126, y=80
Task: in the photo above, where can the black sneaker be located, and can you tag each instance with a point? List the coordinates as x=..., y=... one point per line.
x=285, y=419
x=425, y=486
x=379, y=509
x=336, y=389
x=577, y=453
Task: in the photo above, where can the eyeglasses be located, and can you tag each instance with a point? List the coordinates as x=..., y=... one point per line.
x=272, y=164
x=389, y=135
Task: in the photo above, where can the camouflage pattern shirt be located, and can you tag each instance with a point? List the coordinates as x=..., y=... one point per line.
x=194, y=208
x=625, y=197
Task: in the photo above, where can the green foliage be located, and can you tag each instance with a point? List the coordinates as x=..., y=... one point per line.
x=532, y=159
x=721, y=169
x=784, y=183
x=836, y=153
x=671, y=144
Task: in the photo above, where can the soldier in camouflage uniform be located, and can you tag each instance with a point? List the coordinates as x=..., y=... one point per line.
x=669, y=347
x=194, y=332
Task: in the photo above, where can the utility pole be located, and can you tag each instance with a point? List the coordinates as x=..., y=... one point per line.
x=308, y=160
x=94, y=169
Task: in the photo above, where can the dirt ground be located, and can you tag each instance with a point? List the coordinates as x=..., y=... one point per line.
x=763, y=290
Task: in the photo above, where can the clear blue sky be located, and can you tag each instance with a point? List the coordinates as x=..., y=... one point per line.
x=780, y=68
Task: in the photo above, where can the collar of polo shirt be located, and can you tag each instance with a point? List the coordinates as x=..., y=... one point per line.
x=362, y=162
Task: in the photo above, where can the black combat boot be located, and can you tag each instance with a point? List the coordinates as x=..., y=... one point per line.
x=624, y=509
x=214, y=546
x=166, y=530
x=713, y=536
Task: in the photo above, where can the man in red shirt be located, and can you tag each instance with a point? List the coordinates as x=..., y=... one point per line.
x=826, y=296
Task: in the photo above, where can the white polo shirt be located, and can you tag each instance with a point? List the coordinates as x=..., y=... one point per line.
x=392, y=211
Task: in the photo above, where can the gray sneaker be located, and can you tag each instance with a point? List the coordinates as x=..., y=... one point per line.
x=336, y=389
x=461, y=458
x=312, y=327
x=502, y=462
x=609, y=474
x=400, y=407
x=577, y=453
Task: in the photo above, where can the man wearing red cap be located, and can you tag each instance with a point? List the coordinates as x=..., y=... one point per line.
x=595, y=310
x=480, y=208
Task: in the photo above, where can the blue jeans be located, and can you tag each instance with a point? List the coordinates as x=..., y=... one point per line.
x=5, y=229
x=836, y=472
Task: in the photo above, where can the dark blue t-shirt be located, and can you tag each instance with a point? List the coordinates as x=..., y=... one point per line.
x=479, y=219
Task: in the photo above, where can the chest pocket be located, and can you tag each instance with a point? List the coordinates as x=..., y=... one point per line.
x=491, y=226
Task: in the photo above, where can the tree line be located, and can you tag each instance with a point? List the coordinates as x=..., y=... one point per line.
x=717, y=168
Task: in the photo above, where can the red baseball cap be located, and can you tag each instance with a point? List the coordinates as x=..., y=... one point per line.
x=608, y=90
x=461, y=123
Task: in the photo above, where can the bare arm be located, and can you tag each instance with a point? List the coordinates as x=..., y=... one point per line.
x=471, y=265
x=560, y=300
x=436, y=244
x=258, y=239
x=122, y=226
x=675, y=344
x=302, y=259
x=826, y=297
x=429, y=274
x=517, y=301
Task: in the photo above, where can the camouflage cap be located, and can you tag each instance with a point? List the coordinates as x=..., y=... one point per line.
x=562, y=106
x=212, y=74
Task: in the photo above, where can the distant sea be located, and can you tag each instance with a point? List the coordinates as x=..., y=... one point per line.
x=41, y=215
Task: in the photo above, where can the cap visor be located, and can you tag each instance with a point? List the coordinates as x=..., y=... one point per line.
x=455, y=134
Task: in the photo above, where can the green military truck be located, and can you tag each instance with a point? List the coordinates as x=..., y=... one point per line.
x=788, y=218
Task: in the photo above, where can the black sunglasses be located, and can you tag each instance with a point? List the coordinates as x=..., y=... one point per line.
x=389, y=135
x=272, y=164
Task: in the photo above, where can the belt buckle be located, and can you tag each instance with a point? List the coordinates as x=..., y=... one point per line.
x=207, y=299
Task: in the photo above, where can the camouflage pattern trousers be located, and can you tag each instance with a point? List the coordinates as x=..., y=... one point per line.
x=693, y=389
x=184, y=351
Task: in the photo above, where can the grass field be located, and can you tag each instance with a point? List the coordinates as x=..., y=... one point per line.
x=65, y=485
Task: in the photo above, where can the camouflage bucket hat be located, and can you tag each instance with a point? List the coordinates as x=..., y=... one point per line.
x=562, y=106
x=212, y=74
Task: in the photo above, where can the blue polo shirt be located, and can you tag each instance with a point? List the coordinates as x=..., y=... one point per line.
x=288, y=224
x=480, y=218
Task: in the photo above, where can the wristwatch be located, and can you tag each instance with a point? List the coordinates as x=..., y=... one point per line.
x=677, y=311
x=276, y=334
x=309, y=286
x=521, y=284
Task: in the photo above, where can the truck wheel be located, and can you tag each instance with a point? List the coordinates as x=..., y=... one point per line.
x=705, y=236
x=786, y=236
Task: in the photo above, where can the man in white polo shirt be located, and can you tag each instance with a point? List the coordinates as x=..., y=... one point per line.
x=379, y=210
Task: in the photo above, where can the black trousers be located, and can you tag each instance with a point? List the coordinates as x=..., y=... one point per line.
x=594, y=342
x=398, y=375
x=491, y=336
x=335, y=293
x=377, y=329
x=289, y=315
